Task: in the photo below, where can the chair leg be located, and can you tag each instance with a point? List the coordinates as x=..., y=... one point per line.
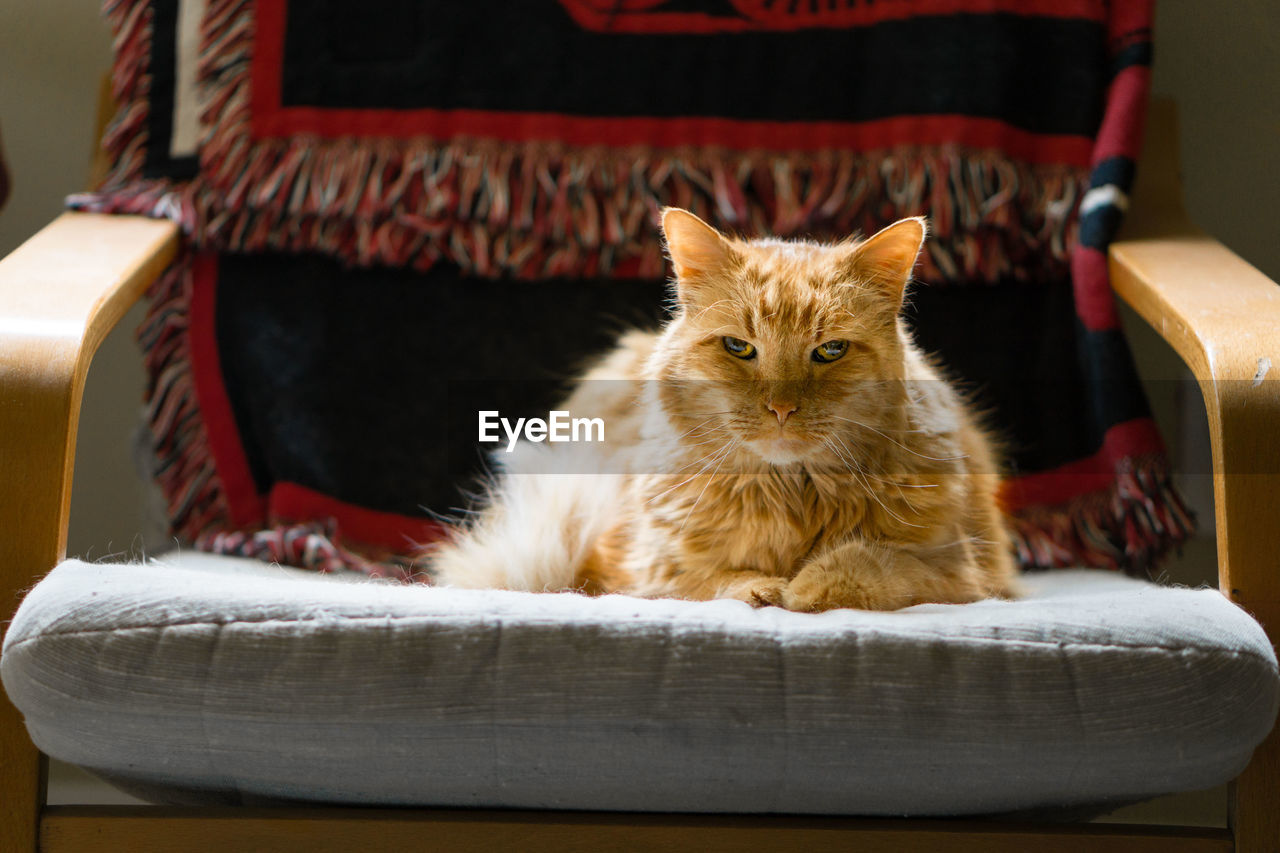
x=1246, y=492
x=38, y=414
x=22, y=785
x=1255, y=813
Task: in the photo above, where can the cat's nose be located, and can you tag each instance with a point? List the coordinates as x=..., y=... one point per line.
x=783, y=410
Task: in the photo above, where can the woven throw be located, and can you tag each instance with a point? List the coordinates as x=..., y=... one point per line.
x=440, y=145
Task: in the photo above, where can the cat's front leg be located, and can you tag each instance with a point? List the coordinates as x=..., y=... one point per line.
x=872, y=576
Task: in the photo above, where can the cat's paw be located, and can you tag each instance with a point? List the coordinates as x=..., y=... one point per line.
x=767, y=593
x=818, y=588
x=757, y=591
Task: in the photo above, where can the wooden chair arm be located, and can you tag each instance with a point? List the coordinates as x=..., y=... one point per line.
x=1222, y=316
x=61, y=292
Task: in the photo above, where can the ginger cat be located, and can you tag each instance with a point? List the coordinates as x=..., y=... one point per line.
x=781, y=441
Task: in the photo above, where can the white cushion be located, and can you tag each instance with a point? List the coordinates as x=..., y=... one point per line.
x=230, y=680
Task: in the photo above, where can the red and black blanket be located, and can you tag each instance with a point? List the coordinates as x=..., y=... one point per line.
x=368, y=188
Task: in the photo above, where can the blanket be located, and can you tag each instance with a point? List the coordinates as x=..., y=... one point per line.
x=350, y=174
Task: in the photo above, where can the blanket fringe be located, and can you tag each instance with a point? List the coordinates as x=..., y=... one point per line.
x=538, y=209
x=183, y=465
x=1130, y=526
x=307, y=546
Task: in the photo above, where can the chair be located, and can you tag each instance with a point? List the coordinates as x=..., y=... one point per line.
x=61, y=292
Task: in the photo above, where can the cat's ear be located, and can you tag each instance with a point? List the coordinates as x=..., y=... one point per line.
x=887, y=258
x=697, y=250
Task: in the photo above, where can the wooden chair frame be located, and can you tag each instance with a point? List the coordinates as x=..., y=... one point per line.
x=64, y=289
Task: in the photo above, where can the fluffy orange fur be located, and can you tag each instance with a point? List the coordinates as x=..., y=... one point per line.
x=780, y=441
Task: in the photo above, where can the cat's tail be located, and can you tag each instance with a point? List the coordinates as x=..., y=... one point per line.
x=538, y=529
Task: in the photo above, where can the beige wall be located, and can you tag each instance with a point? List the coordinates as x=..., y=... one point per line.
x=1221, y=62
x=52, y=55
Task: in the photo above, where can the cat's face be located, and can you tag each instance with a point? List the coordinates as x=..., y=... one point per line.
x=788, y=350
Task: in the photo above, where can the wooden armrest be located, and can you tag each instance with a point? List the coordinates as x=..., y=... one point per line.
x=61, y=292
x=1222, y=316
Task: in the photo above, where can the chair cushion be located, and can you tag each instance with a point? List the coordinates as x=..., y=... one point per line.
x=233, y=680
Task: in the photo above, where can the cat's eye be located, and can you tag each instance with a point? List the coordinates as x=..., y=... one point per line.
x=830, y=351
x=738, y=347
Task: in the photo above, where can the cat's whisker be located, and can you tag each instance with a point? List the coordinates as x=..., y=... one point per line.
x=709, y=418
x=836, y=452
x=848, y=454
x=706, y=460
x=889, y=438
x=712, y=440
x=884, y=506
x=821, y=423
x=963, y=540
x=858, y=472
x=701, y=431
x=850, y=465
x=715, y=304
x=828, y=443
x=702, y=436
x=702, y=461
x=727, y=448
x=698, y=426
x=900, y=486
x=896, y=484
x=687, y=480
